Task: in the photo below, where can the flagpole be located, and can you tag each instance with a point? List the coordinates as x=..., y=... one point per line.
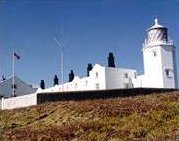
x=13, y=71
x=1, y=76
x=62, y=66
x=61, y=45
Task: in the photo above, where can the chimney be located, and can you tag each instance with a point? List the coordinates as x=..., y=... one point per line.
x=42, y=84
x=89, y=68
x=71, y=76
x=55, y=80
x=111, y=60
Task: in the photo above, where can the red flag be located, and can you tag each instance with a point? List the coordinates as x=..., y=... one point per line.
x=17, y=56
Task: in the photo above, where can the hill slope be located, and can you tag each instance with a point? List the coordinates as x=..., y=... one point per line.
x=150, y=117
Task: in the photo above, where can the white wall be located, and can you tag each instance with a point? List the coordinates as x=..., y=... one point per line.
x=155, y=66
x=152, y=67
x=175, y=67
x=168, y=63
x=139, y=81
x=116, y=78
x=21, y=101
x=98, y=77
x=95, y=81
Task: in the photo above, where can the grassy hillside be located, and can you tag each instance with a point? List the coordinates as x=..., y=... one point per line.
x=140, y=118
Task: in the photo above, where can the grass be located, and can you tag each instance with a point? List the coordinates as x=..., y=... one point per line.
x=141, y=118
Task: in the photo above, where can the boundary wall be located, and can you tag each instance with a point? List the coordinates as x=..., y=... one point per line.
x=97, y=94
x=19, y=102
x=38, y=98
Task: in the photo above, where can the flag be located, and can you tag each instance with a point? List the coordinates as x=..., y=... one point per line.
x=17, y=56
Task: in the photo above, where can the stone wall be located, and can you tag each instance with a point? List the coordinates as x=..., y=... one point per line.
x=20, y=101
x=100, y=94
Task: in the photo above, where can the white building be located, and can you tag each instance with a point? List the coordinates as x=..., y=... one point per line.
x=159, y=59
x=100, y=78
x=159, y=68
x=20, y=87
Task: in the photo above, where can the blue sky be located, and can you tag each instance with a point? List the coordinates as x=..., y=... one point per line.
x=90, y=29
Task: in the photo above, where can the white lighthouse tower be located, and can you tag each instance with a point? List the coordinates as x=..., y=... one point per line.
x=159, y=59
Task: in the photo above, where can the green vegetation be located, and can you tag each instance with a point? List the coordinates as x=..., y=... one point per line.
x=141, y=118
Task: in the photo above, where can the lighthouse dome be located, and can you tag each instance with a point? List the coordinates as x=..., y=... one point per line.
x=157, y=33
x=156, y=25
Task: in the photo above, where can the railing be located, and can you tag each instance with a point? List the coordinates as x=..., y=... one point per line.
x=146, y=43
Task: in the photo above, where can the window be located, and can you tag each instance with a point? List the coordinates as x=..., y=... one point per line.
x=96, y=75
x=154, y=53
x=97, y=86
x=135, y=75
x=76, y=85
x=130, y=85
x=86, y=83
x=125, y=75
x=168, y=72
x=14, y=86
x=125, y=85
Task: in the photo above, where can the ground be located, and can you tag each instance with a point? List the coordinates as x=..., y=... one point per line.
x=140, y=118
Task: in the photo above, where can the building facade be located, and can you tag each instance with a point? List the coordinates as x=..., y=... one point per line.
x=20, y=87
x=159, y=59
x=100, y=78
x=159, y=68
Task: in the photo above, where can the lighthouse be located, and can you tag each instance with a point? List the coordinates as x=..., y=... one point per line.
x=159, y=58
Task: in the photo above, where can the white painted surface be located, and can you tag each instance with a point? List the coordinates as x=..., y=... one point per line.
x=100, y=78
x=168, y=65
x=21, y=101
x=120, y=78
x=152, y=67
x=95, y=81
x=158, y=57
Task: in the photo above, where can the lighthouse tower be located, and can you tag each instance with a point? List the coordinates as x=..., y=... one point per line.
x=159, y=59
